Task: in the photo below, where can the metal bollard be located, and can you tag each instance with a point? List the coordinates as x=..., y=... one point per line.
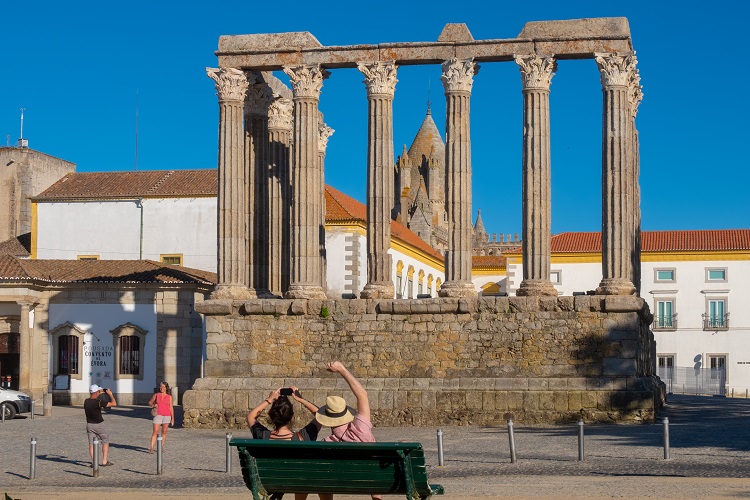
x=95, y=459
x=666, y=438
x=441, y=461
x=32, y=409
x=732, y=391
x=159, y=452
x=32, y=459
x=2, y=410
x=580, y=440
x=745, y=393
x=511, y=441
x=229, y=454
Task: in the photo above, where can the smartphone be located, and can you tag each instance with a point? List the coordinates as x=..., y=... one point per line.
x=286, y=391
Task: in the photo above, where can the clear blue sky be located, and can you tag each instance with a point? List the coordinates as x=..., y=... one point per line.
x=76, y=67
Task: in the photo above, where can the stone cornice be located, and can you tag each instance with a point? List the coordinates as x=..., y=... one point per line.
x=306, y=80
x=380, y=77
x=458, y=75
x=231, y=83
x=536, y=71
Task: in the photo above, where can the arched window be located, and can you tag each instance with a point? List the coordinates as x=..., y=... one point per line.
x=410, y=283
x=67, y=341
x=129, y=341
x=399, y=280
x=429, y=284
x=437, y=284
x=420, y=280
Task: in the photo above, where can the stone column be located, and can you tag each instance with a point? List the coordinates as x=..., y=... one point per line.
x=380, y=81
x=458, y=77
x=617, y=176
x=232, y=275
x=536, y=76
x=307, y=202
x=635, y=95
x=325, y=132
x=280, y=137
x=25, y=350
x=259, y=97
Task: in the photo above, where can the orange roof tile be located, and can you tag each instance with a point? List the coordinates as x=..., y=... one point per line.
x=488, y=261
x=342, y=208
x=142, y=184
x=100, y=271
x=20, y=246
x=657, y=241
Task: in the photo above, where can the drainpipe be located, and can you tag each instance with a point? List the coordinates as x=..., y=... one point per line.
x=139, y=204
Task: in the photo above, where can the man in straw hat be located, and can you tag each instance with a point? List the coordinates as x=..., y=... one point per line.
x=345, y=426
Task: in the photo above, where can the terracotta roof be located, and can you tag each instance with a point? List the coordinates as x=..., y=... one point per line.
x=142, y=184
x=658, y=241
x=488, y=261
x=345, y=209
x=100, y=271
x=20, y=246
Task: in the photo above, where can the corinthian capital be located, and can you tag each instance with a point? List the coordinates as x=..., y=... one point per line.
x=280, y=114
x=325, y=132
x=306, y=80
x=536, y=72
x=231, y=83
x=635, y=92
x=616, y=69
x=458, y=75
x=380, y=77
x=259, y=96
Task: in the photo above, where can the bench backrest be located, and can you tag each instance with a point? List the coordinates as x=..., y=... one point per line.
x=322, y=467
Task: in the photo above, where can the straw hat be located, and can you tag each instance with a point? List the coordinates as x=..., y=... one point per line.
x=335, y=412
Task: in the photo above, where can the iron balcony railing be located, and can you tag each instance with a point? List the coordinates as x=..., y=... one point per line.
x=716, y=322
x=665, y=322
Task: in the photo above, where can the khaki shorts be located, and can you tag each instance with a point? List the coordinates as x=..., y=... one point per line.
x=162, y=419
x=99, y=430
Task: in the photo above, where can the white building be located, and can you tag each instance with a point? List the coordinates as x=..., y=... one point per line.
x=697, y=284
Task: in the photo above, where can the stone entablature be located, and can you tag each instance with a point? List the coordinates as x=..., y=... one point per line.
x=435, y=361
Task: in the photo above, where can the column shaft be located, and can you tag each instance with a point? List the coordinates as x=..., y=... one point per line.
x=380, y=82
x=617, y=177
x=457, y=79
x=536, y=76
x=307, y=202
x=279, y=129
x=232, y=275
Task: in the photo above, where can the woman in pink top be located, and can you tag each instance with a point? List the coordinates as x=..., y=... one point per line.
x=340, y=418
x=162, y=401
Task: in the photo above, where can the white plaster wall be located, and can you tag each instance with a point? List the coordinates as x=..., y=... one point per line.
x=336, y=257
x=98, y=320
x=184, y=226
x=110, y=230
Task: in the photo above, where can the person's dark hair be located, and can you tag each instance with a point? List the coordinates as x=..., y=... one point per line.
x=166, y=386
x=281, y=412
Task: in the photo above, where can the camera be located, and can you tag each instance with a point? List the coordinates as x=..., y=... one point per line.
x=286, y=391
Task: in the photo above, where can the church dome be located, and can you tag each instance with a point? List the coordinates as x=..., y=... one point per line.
x=428, y=143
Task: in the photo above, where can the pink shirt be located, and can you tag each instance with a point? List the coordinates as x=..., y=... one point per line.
x=357, y=431
x=164, y=405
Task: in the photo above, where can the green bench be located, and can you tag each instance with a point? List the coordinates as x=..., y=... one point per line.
x=270, y=467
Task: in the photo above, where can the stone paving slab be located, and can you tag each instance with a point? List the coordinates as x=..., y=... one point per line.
x=710, y=457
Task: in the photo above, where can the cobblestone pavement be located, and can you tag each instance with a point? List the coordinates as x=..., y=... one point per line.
x=709, y=437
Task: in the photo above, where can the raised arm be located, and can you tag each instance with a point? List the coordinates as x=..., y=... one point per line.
x=252, y=417
x=363, y=401
x=112, y=400
x=307, y=404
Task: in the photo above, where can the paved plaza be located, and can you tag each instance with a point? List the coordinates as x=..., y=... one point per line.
x=709, y=437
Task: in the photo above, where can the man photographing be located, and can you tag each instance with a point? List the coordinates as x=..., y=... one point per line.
x=95, y=422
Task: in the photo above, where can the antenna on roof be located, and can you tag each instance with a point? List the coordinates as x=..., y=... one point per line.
x=22, y=143
x=136, y=130
x=429, y=112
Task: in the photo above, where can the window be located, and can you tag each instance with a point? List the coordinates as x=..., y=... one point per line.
x=718, y=366
x=67, y=355
x=665, y=318
x=716, y=275
x=429, y=284
x=399, y=280
x=437, y=284
x=717, y=318
x=664, y=275
x=666, y=361
x=67, y=342
x=88, y=257
x=171, y=259
x=129, y=341
x=410, y=283
x=556, y=277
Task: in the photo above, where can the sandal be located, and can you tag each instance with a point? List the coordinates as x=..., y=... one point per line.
x=107, y=464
